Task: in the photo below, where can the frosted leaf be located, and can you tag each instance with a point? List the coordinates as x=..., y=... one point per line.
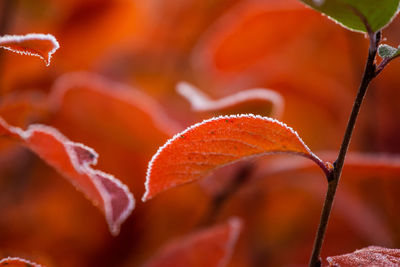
x=201, y=102
x=369, y=256
x=74, y=161
x=204, y=147
x=32, y=44
x=386, y=51
x=17, y=262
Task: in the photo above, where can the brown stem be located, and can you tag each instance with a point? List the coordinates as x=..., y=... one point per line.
x=333, y=179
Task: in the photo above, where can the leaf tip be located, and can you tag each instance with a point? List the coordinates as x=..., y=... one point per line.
x=32, y=44
x=118, y=200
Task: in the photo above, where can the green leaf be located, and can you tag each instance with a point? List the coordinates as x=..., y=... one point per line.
x=387, y=51
x=358, y=15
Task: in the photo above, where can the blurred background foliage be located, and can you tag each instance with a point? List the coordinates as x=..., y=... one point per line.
x=222, y=47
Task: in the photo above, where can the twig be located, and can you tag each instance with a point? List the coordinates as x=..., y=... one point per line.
x=369, y=74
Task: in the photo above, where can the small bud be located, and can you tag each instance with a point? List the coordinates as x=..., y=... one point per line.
x=386, y=51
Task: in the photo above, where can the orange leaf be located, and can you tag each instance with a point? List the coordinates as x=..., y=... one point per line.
x=369, y=256
x=17, y=262
x=74, y=161
x=23, y=107
x=33, y=44
x=110, y=110
x=206, y=146
x=250, y=32
x=209, y=247
x=201, y=102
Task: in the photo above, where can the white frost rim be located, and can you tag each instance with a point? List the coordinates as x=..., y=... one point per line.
x=6, y=39
x=84, y=168
x=201, y=102
x=311, y=155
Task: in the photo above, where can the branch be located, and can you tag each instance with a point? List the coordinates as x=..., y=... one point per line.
x=369, y=75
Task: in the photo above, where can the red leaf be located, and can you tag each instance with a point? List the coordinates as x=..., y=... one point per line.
x=201, y=102
x=206, y=146
x=74, y=161
x=370, y=256
x=209, y=247
x=33, y=44
x=17, y=262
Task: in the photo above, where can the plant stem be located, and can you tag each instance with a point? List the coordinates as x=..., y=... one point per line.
x=334, y=177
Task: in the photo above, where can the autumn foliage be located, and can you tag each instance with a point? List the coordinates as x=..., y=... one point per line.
x=223, y=119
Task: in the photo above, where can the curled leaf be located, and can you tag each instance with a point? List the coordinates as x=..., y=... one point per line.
x=369, y=256
x=206, y=146
x=201, y=102
x=74, y=161
x=359, y=15
x=32, y=44
x=17, y=262
x=210, y=247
